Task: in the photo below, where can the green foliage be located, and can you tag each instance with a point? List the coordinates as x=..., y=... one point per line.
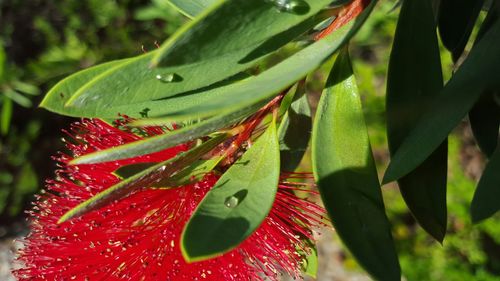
x=215, y=71
x=414, y=79
x=237, y=204
x=345, y=171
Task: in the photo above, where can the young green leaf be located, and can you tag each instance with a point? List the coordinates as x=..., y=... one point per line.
x=274, y=80
x=345, y=171
x=484, y=120
x=238, y=203
x=136, y=81
x=295, y=130
x=166, y=140
x=456, y=20
x=143, y=179
x=477, y=74
x=414, y=80
x=485, y=202
x=191, y=8
x=66, y=88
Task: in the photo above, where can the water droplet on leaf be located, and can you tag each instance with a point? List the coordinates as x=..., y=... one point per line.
x=291, y=6
x=231, y=202
x=168, y=78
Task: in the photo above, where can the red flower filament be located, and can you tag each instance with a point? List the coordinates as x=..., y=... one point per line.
x=137, y=237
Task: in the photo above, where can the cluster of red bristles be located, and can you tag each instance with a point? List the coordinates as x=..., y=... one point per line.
x=137, y=237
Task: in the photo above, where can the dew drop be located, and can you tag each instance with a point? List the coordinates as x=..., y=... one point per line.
x=231, y=202
x=169, y=77
x=291, y=6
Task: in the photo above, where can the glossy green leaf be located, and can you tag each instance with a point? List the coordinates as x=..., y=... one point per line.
x=345, y=171
x=191, y=8
x=478, y=73
x=276, y=79
x=484, y=120
x=486, y=198
x=238, y=203
x=456, y=20
x=295, y=130
x=143, y=179
x=219, y=31
x=192, y=173
x=66, y=88
x=166, y=140
x=414, y=80
x=137, y=81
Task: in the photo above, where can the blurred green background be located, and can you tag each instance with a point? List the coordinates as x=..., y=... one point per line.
x=42, y=41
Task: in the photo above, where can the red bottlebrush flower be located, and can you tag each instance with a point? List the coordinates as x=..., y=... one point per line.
x=137, y=238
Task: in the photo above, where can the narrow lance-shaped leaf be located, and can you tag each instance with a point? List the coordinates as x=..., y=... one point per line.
x=295, y=130
x=485, y=202
x=143, y=179
x=192, y=173
x=64, y=90
x=484, y=120
x=238, y=203
x=277, y=78
x=345, y=171
x=265, y=30
x=191, y=8
x=456, y=20
x=166, y=140
x=414, y=80
x=477, y=74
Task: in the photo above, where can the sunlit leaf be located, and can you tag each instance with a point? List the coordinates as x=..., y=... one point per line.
x=166, y=140
x=238, y=203
x=265, y=30
x=345, y=171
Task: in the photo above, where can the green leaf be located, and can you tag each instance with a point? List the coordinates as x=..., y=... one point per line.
x=220, y=32
x=277, y=78
x=484, y=120
x=191, y=8
x=295, y=130
x=166, y=140
x=137, y=81
x=477, y=74
x=192, y=173
x=6, y=116
x=414, y=80
x=143, y=179
x=238, y=203
x=66, y=88
x=456, y=20
x=345, y=171
x=485, y=202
